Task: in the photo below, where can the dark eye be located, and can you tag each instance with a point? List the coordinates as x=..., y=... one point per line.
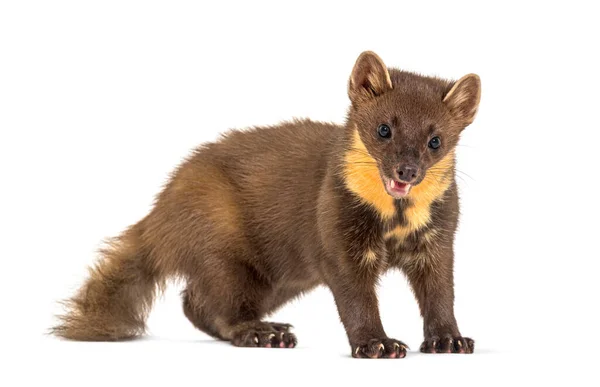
x=435, y=142
x=384, y=131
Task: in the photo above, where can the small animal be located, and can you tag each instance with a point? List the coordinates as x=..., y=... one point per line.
x=263, y=215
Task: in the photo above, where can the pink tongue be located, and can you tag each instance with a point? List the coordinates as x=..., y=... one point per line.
x=398, y=187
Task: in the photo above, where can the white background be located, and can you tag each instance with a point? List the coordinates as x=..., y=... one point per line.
x=100, y=101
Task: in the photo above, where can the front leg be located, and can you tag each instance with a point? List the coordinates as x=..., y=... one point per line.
x=357, y=305
x=353, y=258
x=430, y=273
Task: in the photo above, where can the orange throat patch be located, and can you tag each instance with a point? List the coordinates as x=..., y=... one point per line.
x=361, y=176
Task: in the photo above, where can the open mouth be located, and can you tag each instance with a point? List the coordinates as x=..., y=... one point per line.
x=397, y=189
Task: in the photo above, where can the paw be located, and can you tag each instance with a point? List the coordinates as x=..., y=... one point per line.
x=448, y=344
x=265, y=339
x=380, y=348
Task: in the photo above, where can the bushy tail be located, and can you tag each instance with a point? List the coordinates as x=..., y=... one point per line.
x=114, y=301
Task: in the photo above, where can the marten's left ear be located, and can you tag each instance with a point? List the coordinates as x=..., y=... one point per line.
x=463, y=98
x=369, y=78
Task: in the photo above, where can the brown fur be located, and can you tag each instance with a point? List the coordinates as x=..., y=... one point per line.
x=263, y=215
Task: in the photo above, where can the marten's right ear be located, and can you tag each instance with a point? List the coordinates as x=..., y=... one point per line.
x=369, y=78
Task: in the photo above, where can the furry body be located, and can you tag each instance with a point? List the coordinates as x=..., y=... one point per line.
x=263, y=215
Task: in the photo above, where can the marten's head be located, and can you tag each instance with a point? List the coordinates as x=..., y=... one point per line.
x=405, y=124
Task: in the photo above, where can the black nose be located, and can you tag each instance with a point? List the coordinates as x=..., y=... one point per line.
x=407, y=172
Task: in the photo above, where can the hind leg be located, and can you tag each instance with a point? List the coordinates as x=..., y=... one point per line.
x=194, y=312
x=230, y=306
x=241, y=332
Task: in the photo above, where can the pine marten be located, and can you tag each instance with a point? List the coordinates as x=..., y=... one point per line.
x=260, y=216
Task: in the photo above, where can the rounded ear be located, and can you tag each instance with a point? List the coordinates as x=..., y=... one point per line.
x=369, y=79
x=463, y=98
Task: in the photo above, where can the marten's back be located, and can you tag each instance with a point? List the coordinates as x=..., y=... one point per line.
x=276, y=164
x=286, y=156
